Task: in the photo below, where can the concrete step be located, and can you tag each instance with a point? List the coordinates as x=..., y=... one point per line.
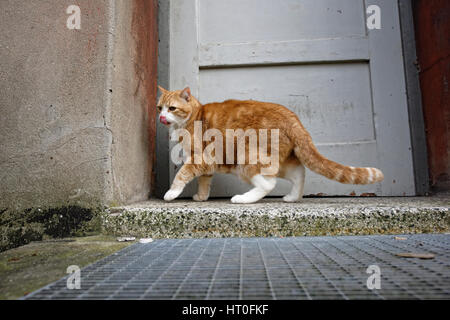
x=273, y=217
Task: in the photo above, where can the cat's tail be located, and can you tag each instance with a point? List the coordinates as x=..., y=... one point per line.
x=308, y=155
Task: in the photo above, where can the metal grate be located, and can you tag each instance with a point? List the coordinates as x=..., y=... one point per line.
x=266, y=268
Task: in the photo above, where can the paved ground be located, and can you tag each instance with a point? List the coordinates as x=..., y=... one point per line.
x=267, y=268
x=273, y=217
x=28, y=268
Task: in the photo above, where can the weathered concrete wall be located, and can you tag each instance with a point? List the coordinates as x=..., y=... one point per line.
x=74, y=125
x=53, y=138
x=133, y=108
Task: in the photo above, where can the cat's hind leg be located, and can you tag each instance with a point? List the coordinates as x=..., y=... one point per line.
x=262, y=186
x=295, y=174
x=204, y=186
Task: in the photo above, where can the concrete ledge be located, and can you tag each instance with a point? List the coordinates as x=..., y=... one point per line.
x=272, y=217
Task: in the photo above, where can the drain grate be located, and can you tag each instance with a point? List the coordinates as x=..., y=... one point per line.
x=266, y=268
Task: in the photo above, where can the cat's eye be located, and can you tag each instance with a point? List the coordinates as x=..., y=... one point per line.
x=172, y=108
x=159, y=108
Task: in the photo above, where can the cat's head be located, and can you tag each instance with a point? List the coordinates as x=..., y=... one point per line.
x=175, y=107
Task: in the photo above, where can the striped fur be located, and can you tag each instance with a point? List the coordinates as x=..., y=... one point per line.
x=308, y=154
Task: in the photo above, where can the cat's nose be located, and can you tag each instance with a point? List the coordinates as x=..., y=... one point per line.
x=163, y=119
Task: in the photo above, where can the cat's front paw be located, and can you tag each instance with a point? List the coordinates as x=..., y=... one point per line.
x=198, y=197
x=172, y=194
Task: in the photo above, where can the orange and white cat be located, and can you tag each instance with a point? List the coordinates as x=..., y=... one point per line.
x=179, y=109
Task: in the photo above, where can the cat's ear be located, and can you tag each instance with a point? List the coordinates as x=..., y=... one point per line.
x=186, y=94
x=162, y=89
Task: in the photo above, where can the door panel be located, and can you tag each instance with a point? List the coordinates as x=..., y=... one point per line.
x=315, y=57
x=234, y=21
x=338, y=114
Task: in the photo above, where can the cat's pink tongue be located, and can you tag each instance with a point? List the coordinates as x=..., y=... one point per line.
x=163, y=120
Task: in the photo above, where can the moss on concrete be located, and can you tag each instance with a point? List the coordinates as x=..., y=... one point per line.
x=30, y=267
x=21, y=227
x=188, y=220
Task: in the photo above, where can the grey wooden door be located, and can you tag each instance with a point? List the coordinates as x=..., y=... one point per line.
x=316, y=57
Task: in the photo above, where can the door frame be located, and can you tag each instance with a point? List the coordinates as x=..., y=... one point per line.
x=414, y=96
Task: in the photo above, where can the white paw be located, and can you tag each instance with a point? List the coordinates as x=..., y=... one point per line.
x=172, y=194
x=196, y=197
x=240, y=198
x=290, y=198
